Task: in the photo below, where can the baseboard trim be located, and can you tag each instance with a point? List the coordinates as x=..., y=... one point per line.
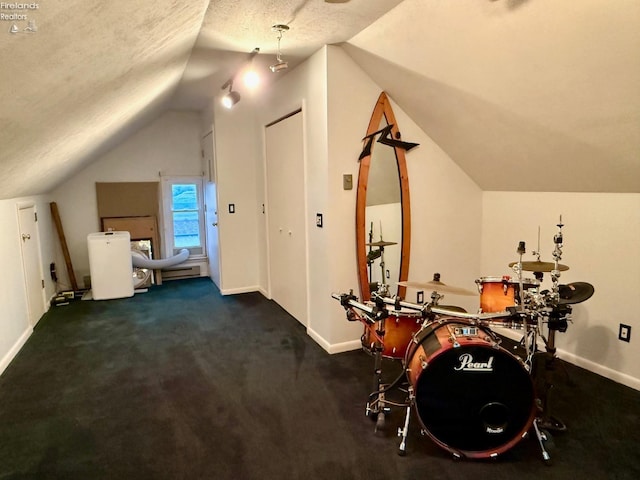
x=606, y=372
x=13, y=351
x=335, y=347
x=235, y=291
x=574, y=359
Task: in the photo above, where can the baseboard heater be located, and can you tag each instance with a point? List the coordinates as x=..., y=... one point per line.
x=181, y=272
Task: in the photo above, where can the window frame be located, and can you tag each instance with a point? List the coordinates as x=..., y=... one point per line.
x=167, y=215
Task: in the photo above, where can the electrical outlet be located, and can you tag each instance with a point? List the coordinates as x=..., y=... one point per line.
x=624, y=333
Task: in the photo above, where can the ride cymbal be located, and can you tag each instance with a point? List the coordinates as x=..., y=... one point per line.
x=380, y=244
x=438, y=286
x=540, y=266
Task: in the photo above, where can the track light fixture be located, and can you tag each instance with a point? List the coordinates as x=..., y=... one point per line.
x=280, y=64
x=231, y=97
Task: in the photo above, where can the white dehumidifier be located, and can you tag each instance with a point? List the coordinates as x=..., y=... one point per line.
x=110, y=265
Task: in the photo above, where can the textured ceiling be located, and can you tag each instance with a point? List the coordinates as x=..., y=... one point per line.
x=535, y=95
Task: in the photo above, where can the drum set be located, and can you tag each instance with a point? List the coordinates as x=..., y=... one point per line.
x=472, y=397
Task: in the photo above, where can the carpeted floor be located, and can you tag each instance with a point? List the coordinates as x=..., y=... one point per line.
x=182, y=383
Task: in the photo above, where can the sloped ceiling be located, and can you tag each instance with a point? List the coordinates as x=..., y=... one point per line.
x=535, y=95
x=524, y=95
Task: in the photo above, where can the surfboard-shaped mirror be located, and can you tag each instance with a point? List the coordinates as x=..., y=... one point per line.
x=383, y=212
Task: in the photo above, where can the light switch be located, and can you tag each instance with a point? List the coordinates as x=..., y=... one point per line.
x=347, y=181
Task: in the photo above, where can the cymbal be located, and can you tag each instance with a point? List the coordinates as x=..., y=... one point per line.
x=380, y=244
x=438, y=286
x=576, y=292
x=540, y=266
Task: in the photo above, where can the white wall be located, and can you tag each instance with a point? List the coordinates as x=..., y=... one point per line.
x=14, y=316
x=601, y=239
x=238, y=151
x=335, y=120
x=170, y=144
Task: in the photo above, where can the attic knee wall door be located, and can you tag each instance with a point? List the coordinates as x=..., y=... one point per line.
x=286, y=215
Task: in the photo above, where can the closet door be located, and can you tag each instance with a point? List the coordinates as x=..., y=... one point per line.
x=286, y=215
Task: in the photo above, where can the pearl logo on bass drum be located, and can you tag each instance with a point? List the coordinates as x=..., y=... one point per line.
x=468, y=365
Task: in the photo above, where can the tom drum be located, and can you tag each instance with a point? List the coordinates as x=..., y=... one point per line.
x=498, y=293
x=395, y=332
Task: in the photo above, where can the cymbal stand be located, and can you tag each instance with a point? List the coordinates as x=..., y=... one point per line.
x=517, y=268
x=384, y=288
x=557, y=320
x=544, y=366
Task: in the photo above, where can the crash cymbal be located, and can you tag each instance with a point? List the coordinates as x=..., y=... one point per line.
x=540, y=266
x=438, y=286
x=575, y=292
x=380, y=244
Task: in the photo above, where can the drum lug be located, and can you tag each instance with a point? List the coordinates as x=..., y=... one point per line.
x=423, y=362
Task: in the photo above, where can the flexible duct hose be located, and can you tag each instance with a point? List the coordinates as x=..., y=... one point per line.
x=141, y=262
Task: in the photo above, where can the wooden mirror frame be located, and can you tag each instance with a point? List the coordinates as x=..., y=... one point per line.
x=383, y=107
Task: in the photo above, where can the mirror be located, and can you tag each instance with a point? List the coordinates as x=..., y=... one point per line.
x=383, y=225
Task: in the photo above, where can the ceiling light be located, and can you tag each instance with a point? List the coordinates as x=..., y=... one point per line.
x=231, y=97
x=280, y=64
x=251, y=79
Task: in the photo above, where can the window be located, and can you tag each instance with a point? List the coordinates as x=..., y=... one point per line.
x=183, y=215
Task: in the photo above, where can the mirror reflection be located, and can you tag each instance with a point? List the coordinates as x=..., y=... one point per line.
x=383, y=218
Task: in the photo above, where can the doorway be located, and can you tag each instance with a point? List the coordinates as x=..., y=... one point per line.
x=31, y=261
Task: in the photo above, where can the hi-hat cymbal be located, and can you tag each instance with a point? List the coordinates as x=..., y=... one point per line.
x=380, y=244
x=575, y=292
x=540, y=266
x=438, y=286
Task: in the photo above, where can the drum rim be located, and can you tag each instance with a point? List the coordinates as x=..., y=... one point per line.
x=525, y=281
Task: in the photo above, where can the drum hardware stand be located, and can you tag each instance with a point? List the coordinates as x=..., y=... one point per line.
x=404, y=431
x=529, y=334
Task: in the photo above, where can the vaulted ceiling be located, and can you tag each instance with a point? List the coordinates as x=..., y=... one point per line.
x=535, y=95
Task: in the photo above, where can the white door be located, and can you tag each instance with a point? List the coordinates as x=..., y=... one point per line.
x=31, y=262
x=213, y=247
x=286, y=215
x=211, y=208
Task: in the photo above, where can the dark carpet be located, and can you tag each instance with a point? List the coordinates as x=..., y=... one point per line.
x=182, y=383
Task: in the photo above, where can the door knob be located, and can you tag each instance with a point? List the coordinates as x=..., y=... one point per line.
x=214, y=224
x=26, y=236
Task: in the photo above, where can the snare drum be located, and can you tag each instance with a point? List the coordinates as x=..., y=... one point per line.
x=498, y=293
x=395, y=331
x=473, y=397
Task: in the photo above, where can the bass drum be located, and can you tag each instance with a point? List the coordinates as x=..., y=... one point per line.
x=473, y=398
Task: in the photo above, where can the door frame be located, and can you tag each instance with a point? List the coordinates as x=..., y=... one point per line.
x=29, y=295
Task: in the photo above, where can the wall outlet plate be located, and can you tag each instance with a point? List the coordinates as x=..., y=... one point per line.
x=319, y=220
x=624, y=333
x=347, y=181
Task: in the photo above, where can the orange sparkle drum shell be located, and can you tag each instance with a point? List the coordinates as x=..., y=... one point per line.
x=498, y=293
x=399, y=328
x=473, y=397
